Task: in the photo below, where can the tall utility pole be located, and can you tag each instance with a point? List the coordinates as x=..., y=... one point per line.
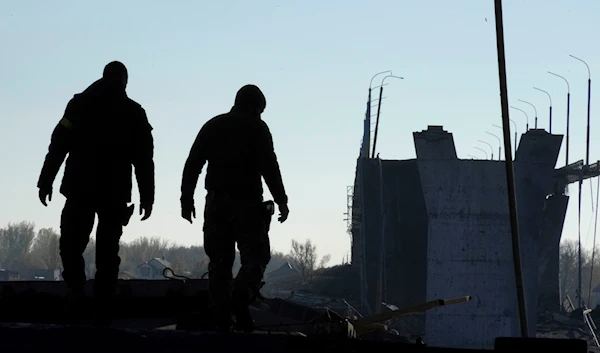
x=594, y=243
x=379, y=110
x=510, y=176
x=579, y=293
x=583, y=170
x=549, y=97
x=568, y=110
x=381, y=261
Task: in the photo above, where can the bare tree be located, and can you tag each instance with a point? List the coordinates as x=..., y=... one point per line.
x=324, y=261
x=196, y=261
x=22, y=249
x=305, y=258
x=189, y=261
x=141, y=250
x=198, y=266
x=89, y=255
x=177, y=256
x=45, y=250
x=569, y=272
x=15, y=243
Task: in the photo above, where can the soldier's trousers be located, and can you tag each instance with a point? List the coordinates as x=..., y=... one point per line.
x=229, y=221
x=77, y=222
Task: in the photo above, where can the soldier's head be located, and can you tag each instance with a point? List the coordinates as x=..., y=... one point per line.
x=115, y=73
x=250, y=99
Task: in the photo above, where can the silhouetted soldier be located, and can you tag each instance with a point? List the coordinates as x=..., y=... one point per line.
x=104, y=133
x=238, y=147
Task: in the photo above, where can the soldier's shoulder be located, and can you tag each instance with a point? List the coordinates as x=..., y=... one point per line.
x=138, y=113
x=217, y=120
x=77, y=102
x=263, y=125
x=132, y=104
x=222, y=116
x=77, y=99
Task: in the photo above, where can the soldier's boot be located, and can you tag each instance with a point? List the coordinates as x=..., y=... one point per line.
x=214, y=318
x=242, y=298
x=217, y=320
x=104, y=302
x=103, y=313
x=75, y=306
x=220, y=313
x=223, y=321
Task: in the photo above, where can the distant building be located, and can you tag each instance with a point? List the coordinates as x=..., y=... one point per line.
x=285, y=271
x=127, y=275
x=6, y=275
x=44, y=275
x=153, y=269
x=595, y=298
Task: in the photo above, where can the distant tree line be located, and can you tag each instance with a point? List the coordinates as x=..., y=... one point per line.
x=568, y=269
x=22, y=248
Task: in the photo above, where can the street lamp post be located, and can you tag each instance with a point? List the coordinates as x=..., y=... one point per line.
x=568, y=110
x=491, y=148
x=379, y=110
x=377, y=74
x=526, y=117
x=587, y=147
x=367, y=133
x=587, y=163
x=499, y=144
x=534, y=109
x=482, y=150
x=549, y=97
x=381, y=275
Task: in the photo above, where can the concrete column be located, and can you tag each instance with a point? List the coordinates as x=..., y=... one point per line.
x=549, y=248
x=434, y=144
x=469, y=243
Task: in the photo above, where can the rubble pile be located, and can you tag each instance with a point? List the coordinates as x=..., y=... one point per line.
x=411, y=327
x=565, y=325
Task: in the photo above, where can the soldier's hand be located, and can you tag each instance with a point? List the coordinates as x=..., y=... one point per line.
x=43, y=194
x=284, y=211
x=147, y=210
x=188, y=212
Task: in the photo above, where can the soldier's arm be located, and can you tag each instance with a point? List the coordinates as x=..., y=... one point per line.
x=269, y=166
x=60, y=145
x=194, y=164
x=143, y=159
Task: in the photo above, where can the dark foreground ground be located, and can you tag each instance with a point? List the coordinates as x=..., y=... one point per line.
x=57, y=338
x=16, y=337
x=146, y=308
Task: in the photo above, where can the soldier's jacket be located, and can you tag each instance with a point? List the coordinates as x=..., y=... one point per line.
x=104, y=133
x=239, y=150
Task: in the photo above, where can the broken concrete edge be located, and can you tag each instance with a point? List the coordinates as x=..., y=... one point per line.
x=71, y=338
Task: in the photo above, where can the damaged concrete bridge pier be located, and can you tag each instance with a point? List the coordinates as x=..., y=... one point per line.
x=438, y=227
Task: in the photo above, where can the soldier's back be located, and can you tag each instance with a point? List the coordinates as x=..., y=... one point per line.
x=104, y=127
x=233, y=155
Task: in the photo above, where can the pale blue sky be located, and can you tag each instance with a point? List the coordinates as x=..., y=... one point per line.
x=313, y=60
